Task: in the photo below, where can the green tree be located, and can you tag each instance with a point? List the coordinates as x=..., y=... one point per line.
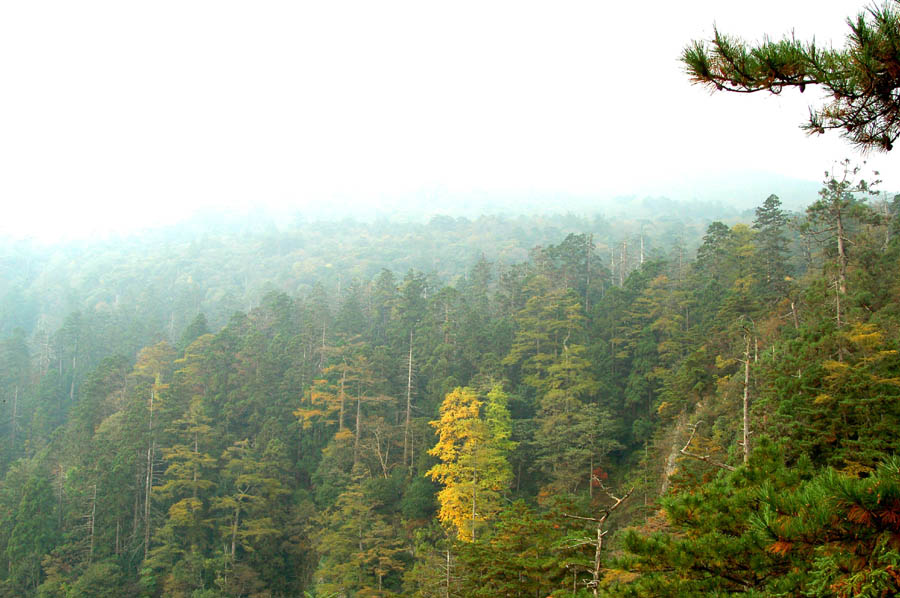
x=183, y=538
x=840, y=206
x=772, y=246
x=843, y=528
x=102, y=580
x=33, y=533
x=247, y=505
x=710, y=546
x=521, y=556
x=197, y=328
x=359, y=546
x=574, y=432
x=861, y=79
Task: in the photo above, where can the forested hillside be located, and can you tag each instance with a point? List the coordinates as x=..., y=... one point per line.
x=500, y=407
x=221, y=264
x=652, y=398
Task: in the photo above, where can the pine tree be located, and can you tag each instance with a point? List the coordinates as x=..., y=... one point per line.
x=358, y=546
x=772, y=246
x=841, y=205
x=710, y=545
x=843, y=528
x=183, y=538
x=246, y=508
x=861, y=80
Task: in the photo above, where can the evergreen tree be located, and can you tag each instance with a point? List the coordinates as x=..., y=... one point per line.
x=861, y=79
x=359, y=547
x=197, y=328
x=772, y=246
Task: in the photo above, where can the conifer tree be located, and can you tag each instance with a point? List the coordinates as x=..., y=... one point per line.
x=359, y=546
x=772, y=245
x=840, y=206
x=861, y=79
x=246, y=506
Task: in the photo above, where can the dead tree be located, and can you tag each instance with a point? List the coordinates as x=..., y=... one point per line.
x=601, y=531
x=748, y=335
x=705, y=458
x=409, y=381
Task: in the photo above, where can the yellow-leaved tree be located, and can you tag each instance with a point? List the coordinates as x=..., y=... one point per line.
x=473, y=448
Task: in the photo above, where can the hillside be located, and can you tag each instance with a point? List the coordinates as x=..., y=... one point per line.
x=453, y=409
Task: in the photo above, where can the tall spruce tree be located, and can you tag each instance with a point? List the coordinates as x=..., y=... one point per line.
x=770, y=223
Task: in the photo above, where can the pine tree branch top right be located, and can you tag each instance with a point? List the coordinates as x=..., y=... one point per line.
x=862, y=80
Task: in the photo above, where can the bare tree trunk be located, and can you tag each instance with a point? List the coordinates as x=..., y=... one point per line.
x=356, y=434
x=148, y=483
x=587, y=286
x=612, y=264
x=837, y=302
x=598, y=543
x=474, y=490
x=747, y=400
x=447, y=576
x=341, y=417
x=842, y=256
x=642, y=244
x=93, y=519
x=382, y=457
x=148, y=488
x=408, y=399
x=234, y=529
x=137, y=504
x=595, y=574
x=14, y=416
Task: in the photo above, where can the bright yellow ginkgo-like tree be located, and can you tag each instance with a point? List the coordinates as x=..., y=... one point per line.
x=474, y=469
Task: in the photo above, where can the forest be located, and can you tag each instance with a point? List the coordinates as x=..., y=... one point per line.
x=670, y=407
x=678, y=400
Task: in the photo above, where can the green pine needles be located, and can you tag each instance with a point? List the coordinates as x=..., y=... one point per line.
x=862, y=79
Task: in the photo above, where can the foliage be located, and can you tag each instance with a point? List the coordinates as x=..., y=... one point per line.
x=861, y=80
x=472, y=449
x=269, y=453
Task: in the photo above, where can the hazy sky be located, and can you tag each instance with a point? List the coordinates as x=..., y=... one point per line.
x=125, y=114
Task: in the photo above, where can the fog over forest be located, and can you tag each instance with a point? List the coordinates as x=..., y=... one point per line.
x=490, y=300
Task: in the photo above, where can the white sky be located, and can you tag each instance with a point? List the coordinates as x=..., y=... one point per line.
x=121, y=114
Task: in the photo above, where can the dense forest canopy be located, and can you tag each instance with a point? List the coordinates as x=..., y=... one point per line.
x=463, y=408
x=667, y=402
